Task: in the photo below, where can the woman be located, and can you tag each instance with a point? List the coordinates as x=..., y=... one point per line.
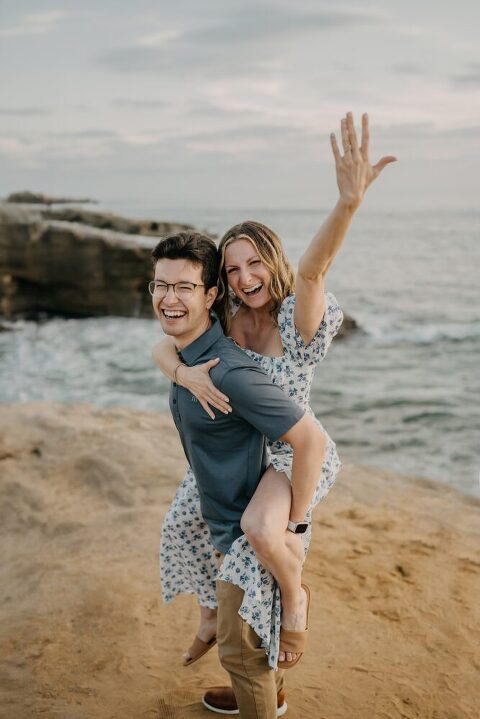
x=281, y=331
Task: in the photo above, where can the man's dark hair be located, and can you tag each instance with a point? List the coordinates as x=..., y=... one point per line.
x=195, y=247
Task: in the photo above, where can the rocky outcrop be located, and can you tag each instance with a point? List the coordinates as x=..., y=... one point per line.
x=103, y=220
x=69, y=268
x=348, y=325
x=33, y=198
x=110, y=221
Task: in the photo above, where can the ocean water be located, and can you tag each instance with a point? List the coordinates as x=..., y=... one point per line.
x=401, y=393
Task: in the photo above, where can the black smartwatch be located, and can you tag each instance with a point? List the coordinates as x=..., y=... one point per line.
x=298, y=527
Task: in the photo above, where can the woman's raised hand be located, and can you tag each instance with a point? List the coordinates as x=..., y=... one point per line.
x=197, y=380
x=354, y=171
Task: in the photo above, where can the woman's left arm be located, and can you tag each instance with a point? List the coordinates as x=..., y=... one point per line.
x=354, y=175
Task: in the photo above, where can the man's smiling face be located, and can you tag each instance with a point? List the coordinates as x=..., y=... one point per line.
x=184, y=318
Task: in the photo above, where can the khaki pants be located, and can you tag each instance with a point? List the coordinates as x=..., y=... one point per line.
x=241, y=654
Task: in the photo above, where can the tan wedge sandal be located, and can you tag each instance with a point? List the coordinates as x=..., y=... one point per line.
x=294, y=642
x=198, y=649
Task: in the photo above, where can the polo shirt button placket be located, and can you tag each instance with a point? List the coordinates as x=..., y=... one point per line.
x=175, y=403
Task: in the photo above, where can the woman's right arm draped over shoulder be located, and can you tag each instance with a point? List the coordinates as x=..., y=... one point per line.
x=196, y=379
x=165, y=356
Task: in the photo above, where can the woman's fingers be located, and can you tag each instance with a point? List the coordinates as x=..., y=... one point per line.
x=209, y=402
x=352, y=136
x=345, y=137
x=221, y=408
x=365, y=137
x=383, y=162
x=207, y=408
x=210, y=387
x=217, y=396
x=335, y=150
x=349, y=139
x=211, y=363
x=207, y=366
x=209, y=393
x=214, y=400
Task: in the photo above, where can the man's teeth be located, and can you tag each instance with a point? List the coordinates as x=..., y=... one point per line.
x=170, y=313
x=252, y=289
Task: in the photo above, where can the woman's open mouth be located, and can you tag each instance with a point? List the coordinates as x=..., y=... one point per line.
x=252, y=291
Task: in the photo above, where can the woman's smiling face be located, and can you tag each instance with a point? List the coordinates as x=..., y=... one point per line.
x=246, y=274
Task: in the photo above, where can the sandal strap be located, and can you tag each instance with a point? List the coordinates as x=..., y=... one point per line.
x=294, y=642
x=200, y=647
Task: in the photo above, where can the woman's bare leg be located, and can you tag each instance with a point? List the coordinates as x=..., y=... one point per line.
x=208, y=626
x=192, y=561
x=264, y=523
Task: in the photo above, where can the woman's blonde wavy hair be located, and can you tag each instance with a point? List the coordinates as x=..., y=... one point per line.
x=271, y=252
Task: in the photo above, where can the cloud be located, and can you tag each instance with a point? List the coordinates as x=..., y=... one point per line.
x=158, y=38
x=12, y=145
x=266, y=24
x=95, y=134
x=470, y=78
x=263, y=132
x=35, y=24
x=59, y=146
x=138, y=104
x=462, y=132
x=24, y=111
x=407, y=68
x=246, y=41
x=424, y=132
x=405, y=130
x=217, y=109
x=249, y=141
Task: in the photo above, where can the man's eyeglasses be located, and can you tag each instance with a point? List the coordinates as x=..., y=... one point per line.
x=182, y=290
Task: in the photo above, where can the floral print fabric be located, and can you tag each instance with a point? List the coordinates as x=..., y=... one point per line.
x=187, y=559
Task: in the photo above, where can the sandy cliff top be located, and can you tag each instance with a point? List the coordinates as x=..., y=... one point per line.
x=393, y=567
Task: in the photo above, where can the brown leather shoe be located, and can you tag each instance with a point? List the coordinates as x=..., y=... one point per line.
x=222, y=701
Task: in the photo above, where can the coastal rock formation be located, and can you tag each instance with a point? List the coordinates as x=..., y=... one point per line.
x=32, y=198
x=393, y=568
x=68, y=267
x=110, y=221
x=348, y=324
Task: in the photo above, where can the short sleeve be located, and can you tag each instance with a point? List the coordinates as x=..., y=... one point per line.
x=259, y=402
x=315, y=351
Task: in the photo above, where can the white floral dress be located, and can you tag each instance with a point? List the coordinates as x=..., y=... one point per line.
x=187, y=558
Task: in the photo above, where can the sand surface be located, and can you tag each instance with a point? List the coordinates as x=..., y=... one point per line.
x=394, y=568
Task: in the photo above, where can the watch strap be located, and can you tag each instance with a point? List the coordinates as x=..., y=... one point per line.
x=297, y=527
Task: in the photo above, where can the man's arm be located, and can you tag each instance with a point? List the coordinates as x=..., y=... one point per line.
x=308, y=443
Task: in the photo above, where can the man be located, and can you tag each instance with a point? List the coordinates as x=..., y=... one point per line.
x=228, y=457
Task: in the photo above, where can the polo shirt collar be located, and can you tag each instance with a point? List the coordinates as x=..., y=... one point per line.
x=198, y=347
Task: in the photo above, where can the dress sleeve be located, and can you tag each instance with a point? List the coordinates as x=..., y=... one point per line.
x=313, y=352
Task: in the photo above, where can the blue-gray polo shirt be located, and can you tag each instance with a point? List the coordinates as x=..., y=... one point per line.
x=228, y=455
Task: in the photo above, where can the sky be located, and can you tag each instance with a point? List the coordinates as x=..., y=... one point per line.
x=230, y=103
